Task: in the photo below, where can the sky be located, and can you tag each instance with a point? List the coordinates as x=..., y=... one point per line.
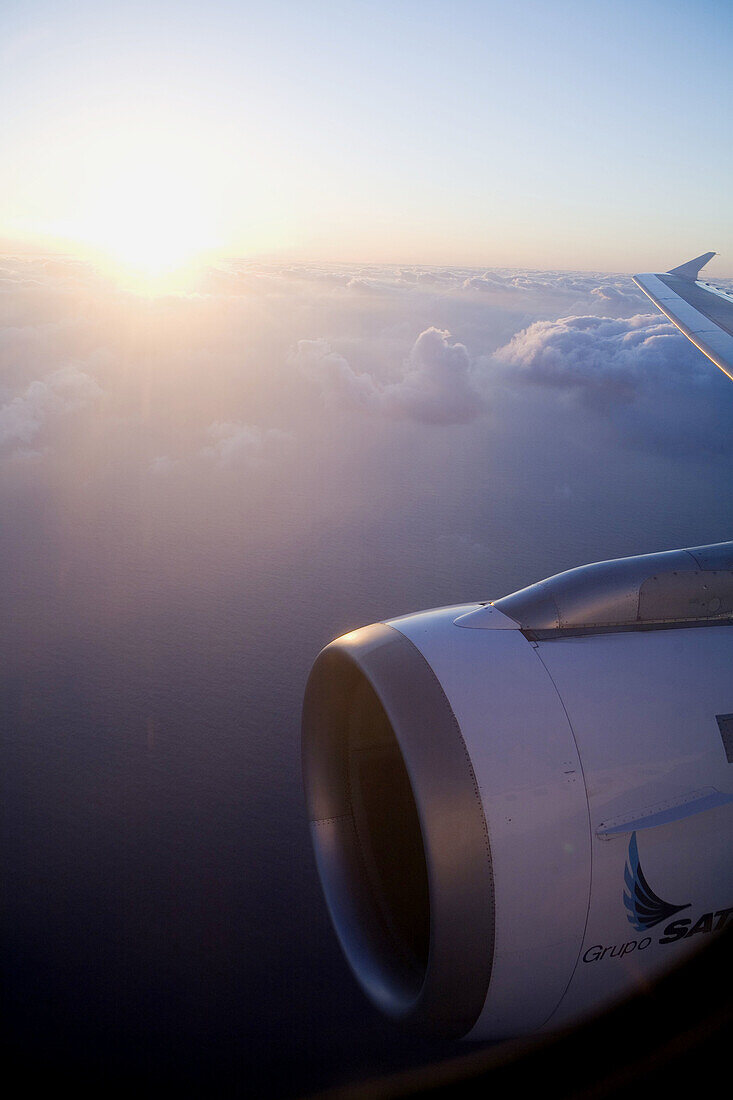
x=567, y=135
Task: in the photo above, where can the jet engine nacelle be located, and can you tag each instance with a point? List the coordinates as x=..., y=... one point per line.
x=522, y=810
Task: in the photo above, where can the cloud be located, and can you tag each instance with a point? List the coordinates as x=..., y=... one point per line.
x=437, y=385
x=236, y=331
x=234, y=443
x=556, y=282
x=609, y=293
x=61, y=392
x=163, y=465
x=340, y=385
x=599, y=357
x=487, y=281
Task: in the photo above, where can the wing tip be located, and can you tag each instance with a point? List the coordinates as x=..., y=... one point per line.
x=692, y=268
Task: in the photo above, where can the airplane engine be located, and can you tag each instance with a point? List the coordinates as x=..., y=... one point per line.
x=521, y=810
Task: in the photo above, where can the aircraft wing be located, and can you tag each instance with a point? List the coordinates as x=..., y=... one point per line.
x=702, y=311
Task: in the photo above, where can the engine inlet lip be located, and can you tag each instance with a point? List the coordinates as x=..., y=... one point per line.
x=451, y=995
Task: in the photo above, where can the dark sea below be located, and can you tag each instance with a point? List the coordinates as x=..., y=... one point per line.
x=162, y=924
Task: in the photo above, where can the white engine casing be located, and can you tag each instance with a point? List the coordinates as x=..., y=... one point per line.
x=574, y=808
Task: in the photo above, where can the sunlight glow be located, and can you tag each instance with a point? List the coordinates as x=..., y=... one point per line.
x=152, y=225
x=151, y=138
x=140, y=199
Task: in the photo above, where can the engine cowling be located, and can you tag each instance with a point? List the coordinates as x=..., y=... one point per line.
x=522, y=810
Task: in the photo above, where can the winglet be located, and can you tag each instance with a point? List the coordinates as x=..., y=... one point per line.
x=691, y=269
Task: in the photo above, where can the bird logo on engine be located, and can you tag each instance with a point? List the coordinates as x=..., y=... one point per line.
x=644, y=908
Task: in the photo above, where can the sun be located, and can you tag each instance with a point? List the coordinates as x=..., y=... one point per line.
x=144, y=197
x=153, y=245
x=146, y=222
x=153, y=226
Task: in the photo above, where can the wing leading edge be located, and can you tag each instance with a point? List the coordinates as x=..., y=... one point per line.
x=703, y=312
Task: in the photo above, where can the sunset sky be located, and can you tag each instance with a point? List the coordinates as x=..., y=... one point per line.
x=565, y=134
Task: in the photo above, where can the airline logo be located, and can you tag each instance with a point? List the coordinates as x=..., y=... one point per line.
x=644, y=908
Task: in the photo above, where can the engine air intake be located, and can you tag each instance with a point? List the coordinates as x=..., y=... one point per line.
x=398, y=830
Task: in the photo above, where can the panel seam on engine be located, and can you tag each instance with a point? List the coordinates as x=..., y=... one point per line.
x=536, y=649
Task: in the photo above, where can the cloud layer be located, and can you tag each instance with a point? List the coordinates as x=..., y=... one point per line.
x=258, y=354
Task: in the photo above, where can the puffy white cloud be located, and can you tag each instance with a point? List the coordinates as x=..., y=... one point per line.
x=234, y=443
x=437, y=384
x=599, y=357
x=60, y=392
